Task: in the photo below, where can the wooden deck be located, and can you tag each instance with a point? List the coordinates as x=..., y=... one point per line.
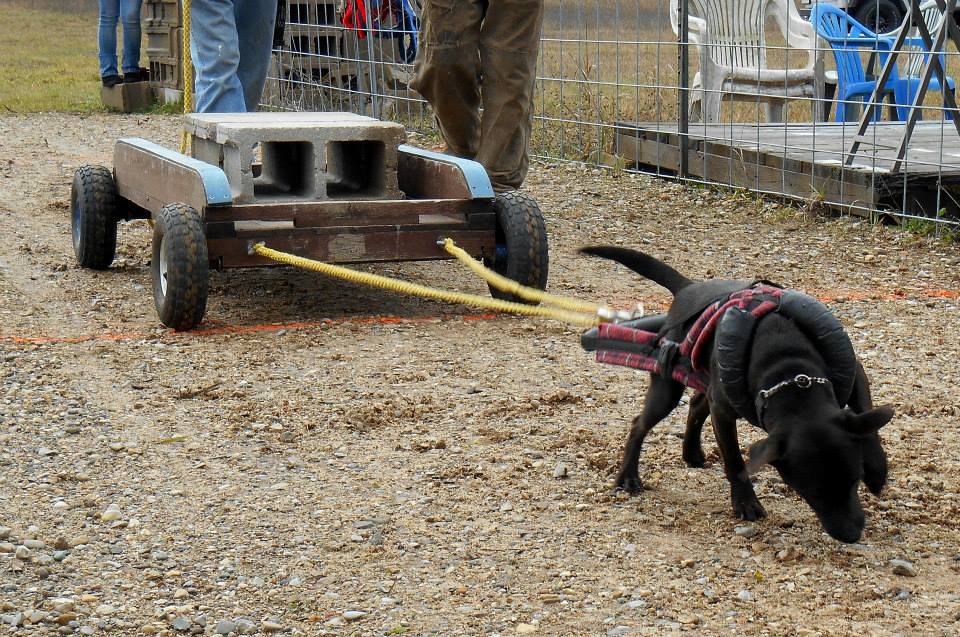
x=806, y=161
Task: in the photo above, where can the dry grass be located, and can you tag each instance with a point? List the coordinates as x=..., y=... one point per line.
x=48, y=57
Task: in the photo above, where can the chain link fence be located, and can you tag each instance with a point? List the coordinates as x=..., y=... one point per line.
x=746, y=94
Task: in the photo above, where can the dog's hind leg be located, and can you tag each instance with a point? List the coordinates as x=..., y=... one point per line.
x=874, y=457
x=662, y=397
x=696, y=416
x=744, y=499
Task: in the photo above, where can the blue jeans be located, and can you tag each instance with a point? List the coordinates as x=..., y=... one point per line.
x=128, y=11
x=230, y=43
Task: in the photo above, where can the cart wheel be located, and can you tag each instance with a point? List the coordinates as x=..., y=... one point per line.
x=93, y=216
x=180, y=268
x=521, y=243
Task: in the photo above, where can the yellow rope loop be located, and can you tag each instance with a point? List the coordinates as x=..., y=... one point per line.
x=187, y=67
x=413, y=289
x=510, y=286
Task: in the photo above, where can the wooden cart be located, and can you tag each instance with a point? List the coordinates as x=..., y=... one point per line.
x=203, y=219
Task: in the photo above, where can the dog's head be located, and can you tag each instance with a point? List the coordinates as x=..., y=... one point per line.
x=824, y=462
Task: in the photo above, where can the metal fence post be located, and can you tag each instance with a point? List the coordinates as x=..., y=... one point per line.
x=372, y=72
x=684, y=96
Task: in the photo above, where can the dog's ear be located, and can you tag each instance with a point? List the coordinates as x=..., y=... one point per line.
x=869, y=421
x=764, y=452
x=874, y=464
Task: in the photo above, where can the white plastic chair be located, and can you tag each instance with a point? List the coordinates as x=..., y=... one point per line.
x=731, y=42
x=913, y=56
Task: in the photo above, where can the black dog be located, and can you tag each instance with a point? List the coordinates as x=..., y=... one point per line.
x=819, y=448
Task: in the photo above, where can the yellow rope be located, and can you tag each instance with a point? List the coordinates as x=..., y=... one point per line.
x=510, y=286
x=413, y=289
x=187, y=67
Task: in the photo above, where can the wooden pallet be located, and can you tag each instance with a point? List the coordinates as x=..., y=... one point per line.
x=806, y=161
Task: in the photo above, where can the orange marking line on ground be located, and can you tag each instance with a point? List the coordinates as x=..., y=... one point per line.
x=241, y=329
x=399, y=320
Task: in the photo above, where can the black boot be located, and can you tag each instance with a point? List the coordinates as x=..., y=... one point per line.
x=111, y=80
x=140, y=75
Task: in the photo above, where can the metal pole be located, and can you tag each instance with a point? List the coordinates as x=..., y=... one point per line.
x=684, y=94
x=372, y=74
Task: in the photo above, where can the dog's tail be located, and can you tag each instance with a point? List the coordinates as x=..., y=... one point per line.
x=643, y=264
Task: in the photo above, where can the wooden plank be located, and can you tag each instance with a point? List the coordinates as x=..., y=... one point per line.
x=723, y=170
x=333, y=213
x=254, y=229
x=807, y=143
x=406, y=245
x=151, y=181
x=774, y=158
x=421, y=177
x=638, y=151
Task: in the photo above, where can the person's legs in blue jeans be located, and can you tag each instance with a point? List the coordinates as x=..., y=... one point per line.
x=215, y=51
x=130, y=18
x=255, y=32
x=107, y=36
x=230, y=48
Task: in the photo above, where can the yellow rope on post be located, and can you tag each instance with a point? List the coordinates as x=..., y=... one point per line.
x=187, y=68
x=413, y=289
x=510, y=286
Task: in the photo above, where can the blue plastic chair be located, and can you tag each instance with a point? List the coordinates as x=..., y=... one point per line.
x=847, y=39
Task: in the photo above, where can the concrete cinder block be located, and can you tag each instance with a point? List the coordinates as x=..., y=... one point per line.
x=128, y=98
x=305, y=156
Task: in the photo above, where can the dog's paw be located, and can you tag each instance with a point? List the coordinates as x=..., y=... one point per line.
x=694, y=458
x=630, y=484
x=748, y=509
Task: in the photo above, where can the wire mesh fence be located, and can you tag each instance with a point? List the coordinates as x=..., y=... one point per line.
x=765, y=95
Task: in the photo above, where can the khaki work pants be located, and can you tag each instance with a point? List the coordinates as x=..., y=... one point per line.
x=482, y=52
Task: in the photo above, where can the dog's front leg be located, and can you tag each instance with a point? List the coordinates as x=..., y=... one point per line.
x=662, y=397
x=744, y=500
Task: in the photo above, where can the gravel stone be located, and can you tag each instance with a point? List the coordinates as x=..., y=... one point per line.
x=181, y=624
x=745, y=530
x=353, y=615
x=903, y=567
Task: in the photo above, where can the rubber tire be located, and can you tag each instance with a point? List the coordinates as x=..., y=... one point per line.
x=522, y=235
x=887, y=13
x=183, y=304
x=93, y=216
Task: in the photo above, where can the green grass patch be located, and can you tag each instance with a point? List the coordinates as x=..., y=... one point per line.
x=48, y=60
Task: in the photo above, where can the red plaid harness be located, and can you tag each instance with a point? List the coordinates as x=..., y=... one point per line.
x=686, y=362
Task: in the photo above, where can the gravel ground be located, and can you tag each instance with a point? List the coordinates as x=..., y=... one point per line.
x=323, y=459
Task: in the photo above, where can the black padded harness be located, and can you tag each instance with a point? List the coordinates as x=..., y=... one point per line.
x=728, y=324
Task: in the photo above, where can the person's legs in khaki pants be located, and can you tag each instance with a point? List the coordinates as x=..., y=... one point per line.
x=471, y=47
x=447, y=71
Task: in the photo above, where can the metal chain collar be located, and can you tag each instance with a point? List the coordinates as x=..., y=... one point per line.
x=803, y=381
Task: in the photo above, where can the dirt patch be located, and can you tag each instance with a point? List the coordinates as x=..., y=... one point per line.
x=328, y=459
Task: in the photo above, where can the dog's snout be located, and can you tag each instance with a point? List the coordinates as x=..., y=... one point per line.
x=848, y=534
x=847, y=524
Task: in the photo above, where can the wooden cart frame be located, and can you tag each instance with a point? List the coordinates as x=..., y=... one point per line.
x=198, y=226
